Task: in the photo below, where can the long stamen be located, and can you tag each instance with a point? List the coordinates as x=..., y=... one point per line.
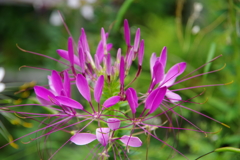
x=42, y=55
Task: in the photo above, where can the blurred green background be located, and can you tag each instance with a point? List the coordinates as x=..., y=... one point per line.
x=193, y=31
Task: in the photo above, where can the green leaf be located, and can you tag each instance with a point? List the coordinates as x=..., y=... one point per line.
x=210, y=56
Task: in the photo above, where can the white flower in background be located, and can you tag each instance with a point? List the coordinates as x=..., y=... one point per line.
x=74, y=3
x=86, y=8
x=90, y=1
x=195, y=29
x=87, y=12
x=2, y=85
x=198, y=7
x=55, y=18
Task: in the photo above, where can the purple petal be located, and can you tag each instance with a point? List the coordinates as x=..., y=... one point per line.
x=84, y=41
x=44, y=95
x=83, y=87
x=173, y=97
x=122, y=71
x=111, y=101
x=153, y=60
x=89, y=58
x=163, y=57
x=131, y=141
x=119, y=55
x=100, y=51
x=66, y=84
x=155, y=99
x=113, y=123
x=108, y=64
x=130, y=58
x=81, y=59
x=83, y=138
x=51, y=85
x=158, y=72
x=141, y=53
x=70, y=50
x=68, y=102
x=103, y=135
x=136, y=40
x=97, y=63
x=173, y=73
x=132, y=99
x=109, y=46
x=104, y=41
x=56, y=82
x=127, y=33
x=98, y=88
x=64, y=54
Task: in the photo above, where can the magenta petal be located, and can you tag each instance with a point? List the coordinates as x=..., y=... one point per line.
x=131, y=141
x=155, y=99
x=122, y=71
x=103, y=135
x=81, y=59
x=108, y=64
x=43, y=95
x=127, y=33
x=83, y=138
x=136, y=40
x=153, y=60
x=163, y=57
x=98, y=88
x=64, y=54
x=158, y=72
x=132, y=99
x=56, y=82
x=84, y=41
x=83, y=87
x=113, y=123
x=68, y=102
x=97, y=63
x=67, y=84
x=104, y=41
x=130, y=58
x=119, y=55
x=111, y=101
x=100, y=51
x=70, y=50
x=109, y=46
x=173, y=73
x=173, y=97
x=50, y=84
x=141, y=53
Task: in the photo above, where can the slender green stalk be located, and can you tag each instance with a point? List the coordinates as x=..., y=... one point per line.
x=121, y=13
x=209, y=57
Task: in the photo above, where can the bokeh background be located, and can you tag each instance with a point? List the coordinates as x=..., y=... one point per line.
x=193, y=31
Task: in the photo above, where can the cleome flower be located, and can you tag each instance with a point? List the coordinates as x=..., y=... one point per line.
x=117, y=113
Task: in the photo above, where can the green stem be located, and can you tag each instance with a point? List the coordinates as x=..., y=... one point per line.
x=121, y=13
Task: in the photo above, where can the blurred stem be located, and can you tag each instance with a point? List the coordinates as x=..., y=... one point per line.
x=232, y=24
x=188, y=30
x=207, y=29
x=148, y=142
x=179, y=21
x=204, y=155
x=120, y=14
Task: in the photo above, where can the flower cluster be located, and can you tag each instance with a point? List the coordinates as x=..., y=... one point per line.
x=119, y=113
